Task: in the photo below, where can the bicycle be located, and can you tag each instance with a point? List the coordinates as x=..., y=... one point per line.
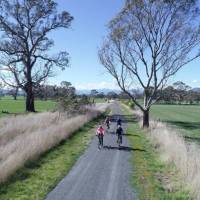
x=107, y=122
x=100, y=144
x=100, y=134
x=119, y=122
x=108, y=125
x=119, y=140
x=119, y=133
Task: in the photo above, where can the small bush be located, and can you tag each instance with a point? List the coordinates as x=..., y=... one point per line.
x=131, y=104
x=73, y=104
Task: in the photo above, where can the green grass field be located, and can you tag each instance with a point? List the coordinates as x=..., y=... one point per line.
x=18, y=106
x=184, y=117
x=99, y=100
x=7, y=104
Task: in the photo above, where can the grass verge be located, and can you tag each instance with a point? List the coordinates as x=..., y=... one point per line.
x=151, y=178
x=36, y=179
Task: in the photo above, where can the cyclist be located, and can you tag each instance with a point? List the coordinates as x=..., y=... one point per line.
x=119, y=122
x=119, y=133
x=100, y=134
x=107, y=122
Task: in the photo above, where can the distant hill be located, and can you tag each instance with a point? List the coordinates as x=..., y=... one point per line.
x=196, y=90
x=6, y=92
x=104, y=90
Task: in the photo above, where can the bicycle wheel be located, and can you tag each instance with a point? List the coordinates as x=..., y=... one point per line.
x=118, y=141
x=99, y=142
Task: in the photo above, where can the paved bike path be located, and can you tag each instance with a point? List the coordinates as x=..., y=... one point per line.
x=99, y=174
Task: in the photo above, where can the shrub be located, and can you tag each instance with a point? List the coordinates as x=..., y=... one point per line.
x=73, y=104
x=131, y=104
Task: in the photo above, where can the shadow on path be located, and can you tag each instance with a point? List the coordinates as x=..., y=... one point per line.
x=124, y=134
x=122, y=148
x=124, y=118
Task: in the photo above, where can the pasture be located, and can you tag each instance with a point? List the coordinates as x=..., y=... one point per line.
x=7, y=104
x=184, y=117
x=99, y=100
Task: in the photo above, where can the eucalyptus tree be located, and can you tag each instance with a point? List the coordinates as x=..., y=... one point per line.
x=149, y=42
x=25, y=42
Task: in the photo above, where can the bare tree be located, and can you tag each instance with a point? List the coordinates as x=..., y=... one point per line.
x=148, y=42
x=24, y=44
x=14, y=92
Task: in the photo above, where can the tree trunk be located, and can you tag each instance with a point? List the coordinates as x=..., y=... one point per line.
x=146, y=119
x=30, y=106
x=16, y=93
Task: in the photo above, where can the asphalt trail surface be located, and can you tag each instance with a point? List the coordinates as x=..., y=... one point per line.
x=99, y=174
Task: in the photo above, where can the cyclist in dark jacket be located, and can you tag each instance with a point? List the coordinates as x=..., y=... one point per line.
x=107, y=121
x=119, y=122
x=119, y=133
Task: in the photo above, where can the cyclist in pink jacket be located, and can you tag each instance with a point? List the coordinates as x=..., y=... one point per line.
x=100, y=133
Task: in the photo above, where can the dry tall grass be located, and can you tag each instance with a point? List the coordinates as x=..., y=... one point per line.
x=24, y=138
x=174, y=149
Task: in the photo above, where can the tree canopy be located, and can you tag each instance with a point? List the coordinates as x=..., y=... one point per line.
x=25, y=43
x=149, y=42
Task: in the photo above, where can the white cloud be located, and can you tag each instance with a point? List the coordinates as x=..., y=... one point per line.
x=194, y=81
x=100, y=85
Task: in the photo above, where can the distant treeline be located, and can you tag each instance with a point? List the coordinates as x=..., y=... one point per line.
x=177, y=93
